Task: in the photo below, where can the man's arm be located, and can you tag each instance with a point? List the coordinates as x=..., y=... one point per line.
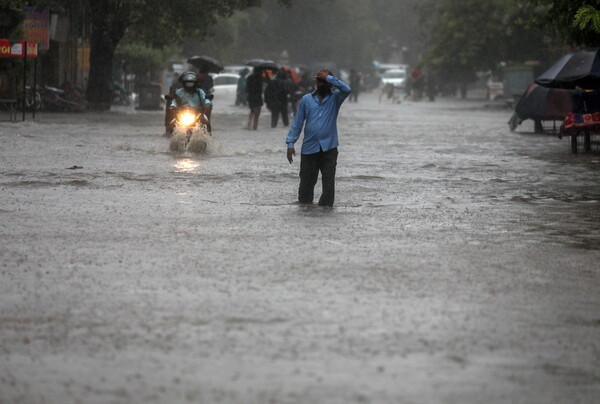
x=295, y=130
x=296, y=126
x=344, y=88
x=176, y=101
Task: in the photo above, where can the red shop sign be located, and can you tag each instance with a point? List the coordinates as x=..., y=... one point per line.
x=16, y=49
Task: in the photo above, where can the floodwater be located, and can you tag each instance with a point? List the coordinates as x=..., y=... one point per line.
x=460, y=263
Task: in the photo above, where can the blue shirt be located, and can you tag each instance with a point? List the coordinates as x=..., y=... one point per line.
x=195, y=99
x=320, y=132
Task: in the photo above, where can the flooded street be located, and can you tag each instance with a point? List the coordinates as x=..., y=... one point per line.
x=460, y=263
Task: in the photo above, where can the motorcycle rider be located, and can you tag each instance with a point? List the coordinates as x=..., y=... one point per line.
x=189, y=95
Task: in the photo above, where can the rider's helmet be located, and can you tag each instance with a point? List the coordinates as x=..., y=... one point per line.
x=189, y=80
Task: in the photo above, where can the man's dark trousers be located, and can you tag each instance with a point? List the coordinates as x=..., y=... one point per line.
x=310, y=165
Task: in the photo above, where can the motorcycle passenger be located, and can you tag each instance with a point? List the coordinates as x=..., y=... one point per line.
x=189, y=95
x=205, y=80
x=206, y=83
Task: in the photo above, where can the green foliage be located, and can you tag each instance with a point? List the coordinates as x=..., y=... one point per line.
x=13, y=4
x=562, y=17
x=587, y=17
x=472, y=35
x=155, y=23
x=159, y=23
x=12, y=18
x=141, y=58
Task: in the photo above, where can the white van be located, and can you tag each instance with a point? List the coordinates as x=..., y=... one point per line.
x=395, y=77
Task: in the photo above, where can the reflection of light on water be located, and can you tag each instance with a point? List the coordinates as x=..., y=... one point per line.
x=186, y=165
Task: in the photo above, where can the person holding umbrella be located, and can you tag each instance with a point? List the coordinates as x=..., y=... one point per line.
x=205, y=79
x=254, y=89
x=318, y=113
x=206, y=83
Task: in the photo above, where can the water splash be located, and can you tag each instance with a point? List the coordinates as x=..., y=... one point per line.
x=200, y=141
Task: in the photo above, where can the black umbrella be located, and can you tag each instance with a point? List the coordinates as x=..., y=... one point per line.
x=262, y=64
x=254, y=62
x=578, y=69
x=214, y=65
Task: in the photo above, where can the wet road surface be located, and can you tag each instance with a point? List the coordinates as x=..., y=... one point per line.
x=460, y=263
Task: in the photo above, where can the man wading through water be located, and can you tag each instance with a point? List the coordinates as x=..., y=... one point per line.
x=319, y=147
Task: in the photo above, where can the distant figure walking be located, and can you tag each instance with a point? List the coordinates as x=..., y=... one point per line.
x=254, y=89
x=276, y=98
x=241, y=98
x=431, y=87
x=305, y=86
x=355, y=84
x=418, y=83
x=388, y=91
x=175, y=84
x=319, y=110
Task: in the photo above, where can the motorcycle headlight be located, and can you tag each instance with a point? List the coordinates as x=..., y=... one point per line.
x=187, y=118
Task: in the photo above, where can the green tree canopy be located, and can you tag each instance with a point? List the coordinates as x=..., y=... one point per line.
x=472, y=35
x=588, y=18
x=152, y=22
x=141, y=58
x=577, y=22
x=9, y=25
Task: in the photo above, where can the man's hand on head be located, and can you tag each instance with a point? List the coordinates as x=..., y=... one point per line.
x=322, y=74
x=290, y=153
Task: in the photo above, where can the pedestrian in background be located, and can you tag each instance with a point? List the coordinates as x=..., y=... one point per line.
x=176, y=84
x=276, y=98
x=388, y=91
x=241, y=98
x=355, y=84
x=305, y=86
x=254, y=89
x=431, y=86
x=317, y=113
x=418, y=83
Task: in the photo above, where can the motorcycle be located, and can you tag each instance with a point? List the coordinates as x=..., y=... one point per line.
x=190, y=130
x=33, y=99
x=68, y=98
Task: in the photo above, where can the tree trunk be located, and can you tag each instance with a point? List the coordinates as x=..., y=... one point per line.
x=100, y=79
x=103, y=41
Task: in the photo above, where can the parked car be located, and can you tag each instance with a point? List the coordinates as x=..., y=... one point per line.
x=396, y=77
x=225, y=85
x=234, y=69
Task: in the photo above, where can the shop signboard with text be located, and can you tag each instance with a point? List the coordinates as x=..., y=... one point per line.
x=17, y=49
x=36, y=26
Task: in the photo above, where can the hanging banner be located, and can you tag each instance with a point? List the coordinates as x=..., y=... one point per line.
x=16, y=49
x=36, y=26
